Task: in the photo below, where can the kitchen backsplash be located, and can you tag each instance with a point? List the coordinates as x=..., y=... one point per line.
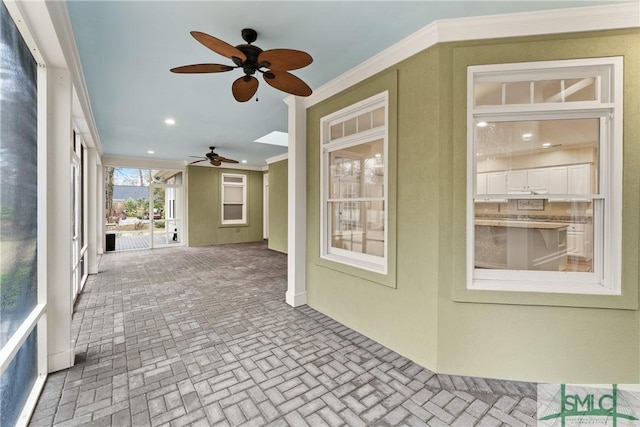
x=554, y=211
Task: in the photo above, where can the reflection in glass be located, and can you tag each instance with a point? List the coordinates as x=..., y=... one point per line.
x=232, y=212
x=488, y=93
x=523, y=145
x=18, y=179
x=558, y=238
x=547, y=91
x=358, y=226
x=580, y=89
x=18, y=380
x=517, y=93
x=357, y=171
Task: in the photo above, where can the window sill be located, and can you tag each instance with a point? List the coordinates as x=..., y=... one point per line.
x=244, y=224
x=586, y=296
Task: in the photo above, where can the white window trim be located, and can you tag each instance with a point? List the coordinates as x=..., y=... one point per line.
x=243, y=184
x=37, y=319
x=362, y=261
x=606, y=279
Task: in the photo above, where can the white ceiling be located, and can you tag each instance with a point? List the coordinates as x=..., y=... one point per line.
x=127, y=48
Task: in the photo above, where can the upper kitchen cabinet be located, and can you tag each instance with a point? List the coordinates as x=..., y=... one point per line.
x=528, y=181
x=558, y=180
x=579, y=179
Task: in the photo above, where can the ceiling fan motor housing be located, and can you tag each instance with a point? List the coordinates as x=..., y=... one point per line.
x=251, y=64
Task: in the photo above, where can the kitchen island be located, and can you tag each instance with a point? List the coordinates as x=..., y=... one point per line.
x=520, y=245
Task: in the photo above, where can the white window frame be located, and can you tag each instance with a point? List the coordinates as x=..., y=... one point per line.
x=359, y=260
x=607, y=203
x=242, y=184
x=37, y=319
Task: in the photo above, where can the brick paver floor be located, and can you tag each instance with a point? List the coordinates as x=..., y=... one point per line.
x=202, y=336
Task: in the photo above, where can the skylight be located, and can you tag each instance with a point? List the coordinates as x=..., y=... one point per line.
x=275, y=138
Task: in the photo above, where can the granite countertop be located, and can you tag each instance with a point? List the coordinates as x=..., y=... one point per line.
x=521, y=224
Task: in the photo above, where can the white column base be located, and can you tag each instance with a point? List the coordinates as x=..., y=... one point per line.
x=61, y=360
x=296, y=300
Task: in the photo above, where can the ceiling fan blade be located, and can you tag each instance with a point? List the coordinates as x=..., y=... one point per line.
x=285, y=59
x=197, y=157
x=202, y=68
x=218, y=46
x=287, y=82
x=197, y=161
x=224, y=159
x=215, y=162
x=244, y=88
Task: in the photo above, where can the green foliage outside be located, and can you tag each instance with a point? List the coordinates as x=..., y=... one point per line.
x=14, y=282
x=131, y=207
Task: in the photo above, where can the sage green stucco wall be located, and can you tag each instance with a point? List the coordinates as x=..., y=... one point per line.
x=204, y=208
x=535, y=337
x=278, y=205
x=400, y=312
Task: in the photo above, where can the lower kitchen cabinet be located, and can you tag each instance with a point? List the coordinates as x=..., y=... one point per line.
x=579, y=240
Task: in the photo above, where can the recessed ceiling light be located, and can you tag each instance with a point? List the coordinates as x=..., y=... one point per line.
x=243, y=161
x=482, y=124
x=150, y=151
x=170, y=121
x=546, y=145
x=527, y=136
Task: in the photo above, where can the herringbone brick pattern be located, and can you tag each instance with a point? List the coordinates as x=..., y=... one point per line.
x=202, y=336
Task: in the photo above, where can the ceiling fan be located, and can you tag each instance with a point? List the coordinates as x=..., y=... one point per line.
x=273, y=64
x=213, y=158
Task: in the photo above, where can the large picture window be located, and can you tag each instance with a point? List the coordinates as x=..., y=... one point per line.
x=22, y=284
x=544, y=169
x=354, y=183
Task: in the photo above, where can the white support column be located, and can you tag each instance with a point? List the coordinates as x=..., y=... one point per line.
x=93, y=207
x=297, y=208
x=59, y=286
x=100, y=189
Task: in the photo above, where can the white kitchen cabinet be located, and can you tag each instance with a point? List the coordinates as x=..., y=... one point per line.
x=528, y=181
x=538, y=180
x=517, y=181
x=491, y=183
x=579, y=179
x=572, y=179
x=496, y=182
x=579, y=240
x=557, y=180
x=481, y=183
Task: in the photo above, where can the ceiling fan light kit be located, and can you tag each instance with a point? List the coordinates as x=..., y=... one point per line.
x=273, y=64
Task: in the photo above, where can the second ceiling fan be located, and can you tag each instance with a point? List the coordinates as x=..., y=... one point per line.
x=273, y=64
x=212, y=157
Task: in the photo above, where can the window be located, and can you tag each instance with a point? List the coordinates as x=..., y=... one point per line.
x=544, y=176
x=23, y=346
x=354, y=182
x=234, y=199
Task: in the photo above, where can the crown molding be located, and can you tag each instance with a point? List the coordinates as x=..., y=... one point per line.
x=143, y=162
x=278, y=158
x=590, y=18
x=62, y=25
